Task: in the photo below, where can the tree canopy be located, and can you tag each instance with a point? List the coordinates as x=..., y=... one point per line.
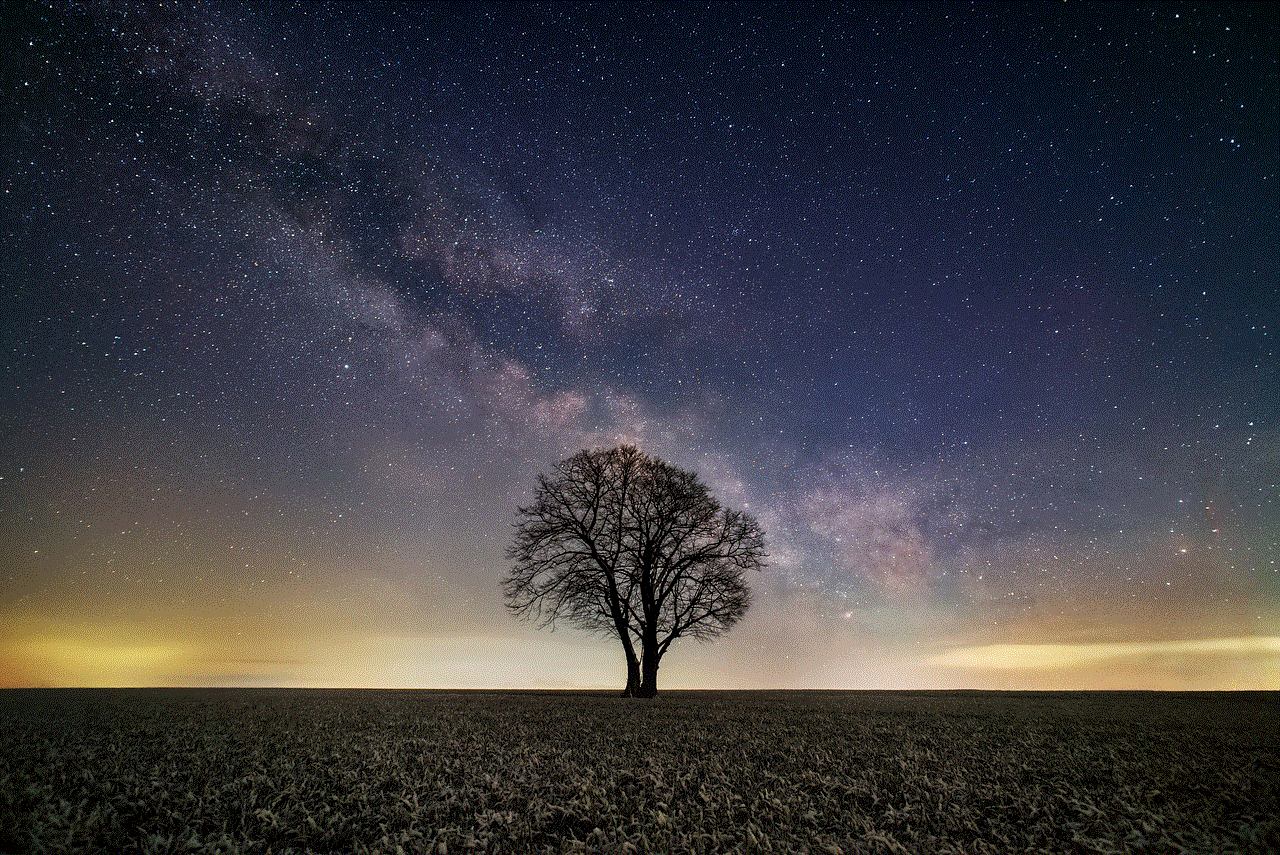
x=622, y=544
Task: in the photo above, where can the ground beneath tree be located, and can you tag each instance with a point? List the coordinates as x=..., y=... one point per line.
x=374, y=771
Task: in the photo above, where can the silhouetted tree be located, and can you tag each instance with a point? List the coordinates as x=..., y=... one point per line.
x=622, y=544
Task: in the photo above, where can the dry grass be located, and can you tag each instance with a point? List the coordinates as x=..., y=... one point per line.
x=362, y=771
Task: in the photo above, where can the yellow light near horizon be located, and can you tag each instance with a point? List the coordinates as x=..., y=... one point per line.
x=84, y=662
x=1013, y=657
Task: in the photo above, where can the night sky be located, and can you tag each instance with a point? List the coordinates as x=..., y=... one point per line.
x=974, y=308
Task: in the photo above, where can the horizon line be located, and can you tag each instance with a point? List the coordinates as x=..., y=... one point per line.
x=613, y=691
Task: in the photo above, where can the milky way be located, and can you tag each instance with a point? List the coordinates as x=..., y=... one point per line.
x=973, y=308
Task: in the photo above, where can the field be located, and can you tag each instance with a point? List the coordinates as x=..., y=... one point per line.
x=368, y=771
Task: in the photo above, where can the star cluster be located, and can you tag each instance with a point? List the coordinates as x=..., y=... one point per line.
x=975, y=308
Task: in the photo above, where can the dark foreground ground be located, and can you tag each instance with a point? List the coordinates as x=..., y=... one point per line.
x=365, y=771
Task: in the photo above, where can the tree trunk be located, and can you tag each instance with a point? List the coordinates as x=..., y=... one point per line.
x=633, y=678
x=633, y=662
x=648, y=675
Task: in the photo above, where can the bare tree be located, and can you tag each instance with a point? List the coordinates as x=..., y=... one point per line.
x=622, y=544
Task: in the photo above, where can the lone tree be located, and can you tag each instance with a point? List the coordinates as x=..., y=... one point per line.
x=622, y=544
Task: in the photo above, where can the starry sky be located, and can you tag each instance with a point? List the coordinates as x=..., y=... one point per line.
x=974, y=307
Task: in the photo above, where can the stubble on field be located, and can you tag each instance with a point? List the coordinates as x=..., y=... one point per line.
x=418, y=772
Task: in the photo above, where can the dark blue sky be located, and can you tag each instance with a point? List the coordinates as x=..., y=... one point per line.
x=974, y=306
